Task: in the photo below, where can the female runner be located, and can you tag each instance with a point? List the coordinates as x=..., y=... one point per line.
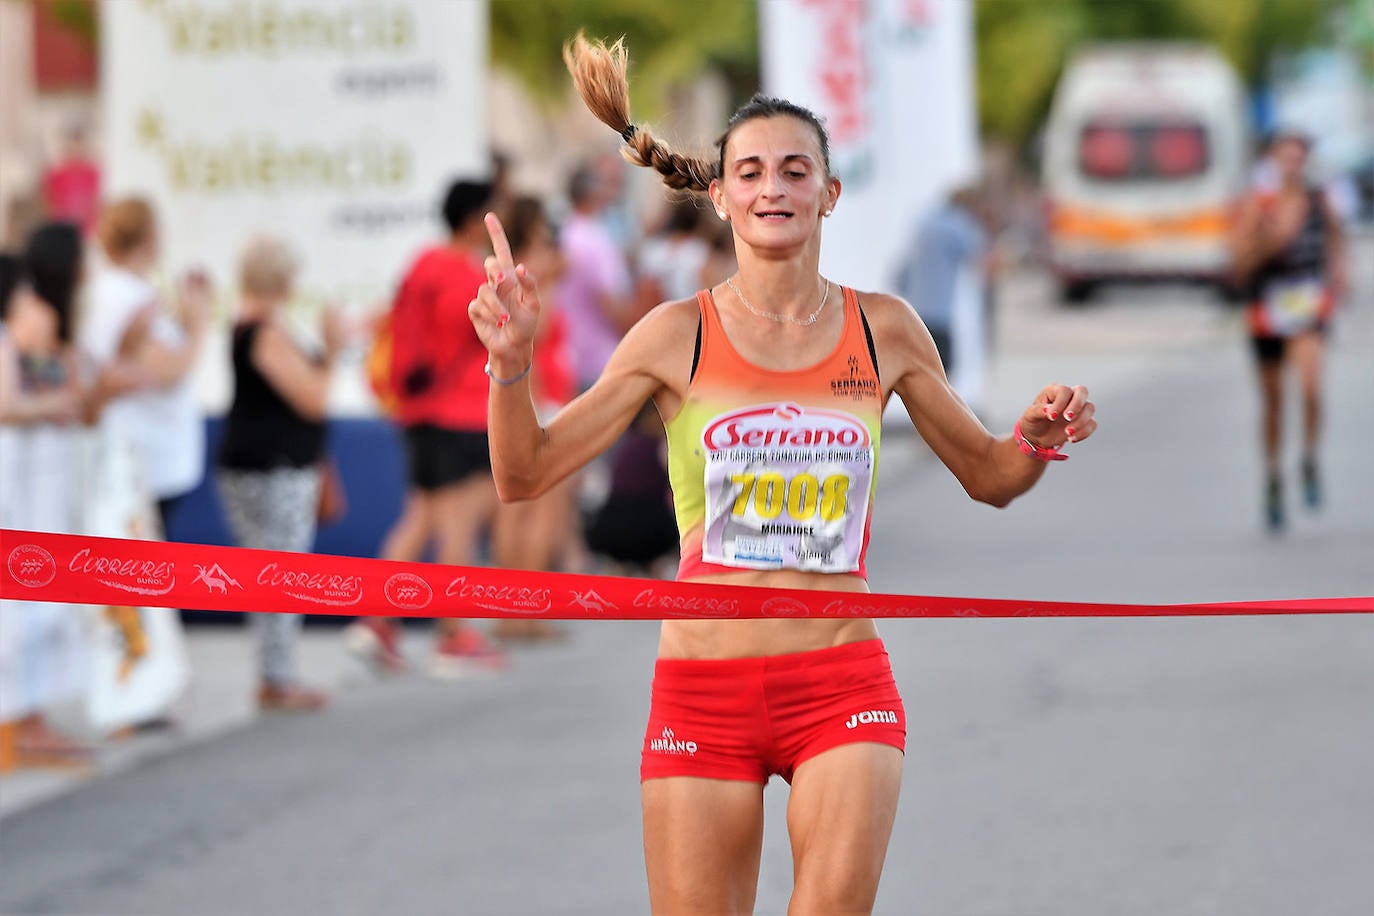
x=771, y=387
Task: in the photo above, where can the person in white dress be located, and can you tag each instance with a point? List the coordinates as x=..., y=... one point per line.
x=125, y=318
x=44, y=400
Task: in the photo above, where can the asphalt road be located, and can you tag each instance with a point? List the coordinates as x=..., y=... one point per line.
x=1054, y=767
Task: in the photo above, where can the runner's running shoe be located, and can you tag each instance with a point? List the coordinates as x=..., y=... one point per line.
x=1311, y=484
x=377, y=642
x=466, y=653
x=1273, y=504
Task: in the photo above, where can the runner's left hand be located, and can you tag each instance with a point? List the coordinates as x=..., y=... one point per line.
x=1059, y=414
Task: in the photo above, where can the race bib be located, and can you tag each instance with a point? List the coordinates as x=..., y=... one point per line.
x=786, y=488
x=1292, y=306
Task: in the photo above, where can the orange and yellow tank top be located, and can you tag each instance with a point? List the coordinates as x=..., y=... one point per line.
x=776, y=469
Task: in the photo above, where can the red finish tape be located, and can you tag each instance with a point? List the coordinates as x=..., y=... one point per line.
x=40, y=566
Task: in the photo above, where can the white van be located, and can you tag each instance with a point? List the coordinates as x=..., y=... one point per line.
x=1146, y=153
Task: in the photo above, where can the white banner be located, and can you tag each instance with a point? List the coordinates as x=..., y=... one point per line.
x=335, y=124
x=893, y=80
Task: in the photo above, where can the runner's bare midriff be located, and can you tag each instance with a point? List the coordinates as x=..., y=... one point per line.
x=748, y=638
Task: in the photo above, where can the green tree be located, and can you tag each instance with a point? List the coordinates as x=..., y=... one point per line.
x=1356, y=25
x=77, y=16
x=670, y=42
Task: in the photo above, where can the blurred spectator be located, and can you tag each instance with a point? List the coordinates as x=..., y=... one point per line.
x=71, y=185
x=441, y=392
x=43, y=659
x=269, y=462
x=125, y=318
x=670, y=262
x=1289, y=249
x=9, y=280
x=502, y=192
x=942, y=279
x=535, y=534
x=635, y=527
x=595, y=290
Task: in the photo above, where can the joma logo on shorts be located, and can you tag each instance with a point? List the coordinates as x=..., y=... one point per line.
x=870, y=716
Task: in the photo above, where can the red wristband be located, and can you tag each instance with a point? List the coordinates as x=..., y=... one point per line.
x=1038, y=452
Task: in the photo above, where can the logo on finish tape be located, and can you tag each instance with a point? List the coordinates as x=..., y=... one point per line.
x=408, y=591
x=32, y=566
x=504, y=599
x=316, y=587
x=133, y=575
x=784, y=607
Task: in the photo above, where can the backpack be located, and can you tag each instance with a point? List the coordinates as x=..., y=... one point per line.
x=400, y=362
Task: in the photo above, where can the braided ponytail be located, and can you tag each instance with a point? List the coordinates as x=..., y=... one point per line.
x=598, y=72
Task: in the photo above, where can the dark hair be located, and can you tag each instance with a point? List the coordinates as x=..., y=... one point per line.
x=683, y=216
x=767, y=106
x=598, y=73
x=521, y=220
x=464, y=200
x=500, y=165
x=52, y=265
x=1290, y=134
x=581, y=183
x=9, y=281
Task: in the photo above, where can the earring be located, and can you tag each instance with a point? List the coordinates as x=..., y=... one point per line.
x=721, y=214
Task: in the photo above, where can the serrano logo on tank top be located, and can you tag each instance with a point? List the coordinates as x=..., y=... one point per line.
x=782, y=425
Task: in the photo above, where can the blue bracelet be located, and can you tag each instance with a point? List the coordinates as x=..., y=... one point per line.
x=507, y=381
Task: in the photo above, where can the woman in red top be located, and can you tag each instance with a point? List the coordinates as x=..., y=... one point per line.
x=436, y=372
x=771, y=388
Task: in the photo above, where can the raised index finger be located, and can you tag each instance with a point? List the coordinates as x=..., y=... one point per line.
x=500, y=245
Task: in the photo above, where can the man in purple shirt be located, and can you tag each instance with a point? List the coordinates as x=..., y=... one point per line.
x=595, y=291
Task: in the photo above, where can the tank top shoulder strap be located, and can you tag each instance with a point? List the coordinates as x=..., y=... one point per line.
x=851, y=299
x=708, y=329
x=710, y=318
x=858, y=334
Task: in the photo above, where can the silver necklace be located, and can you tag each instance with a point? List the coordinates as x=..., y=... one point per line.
x=774, y=316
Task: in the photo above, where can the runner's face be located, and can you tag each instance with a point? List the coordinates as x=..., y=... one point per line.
x=774, y=186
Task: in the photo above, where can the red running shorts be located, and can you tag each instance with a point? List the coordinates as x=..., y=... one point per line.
x=748, y=718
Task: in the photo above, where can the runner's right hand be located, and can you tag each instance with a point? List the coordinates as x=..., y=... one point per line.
x=506, y=310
